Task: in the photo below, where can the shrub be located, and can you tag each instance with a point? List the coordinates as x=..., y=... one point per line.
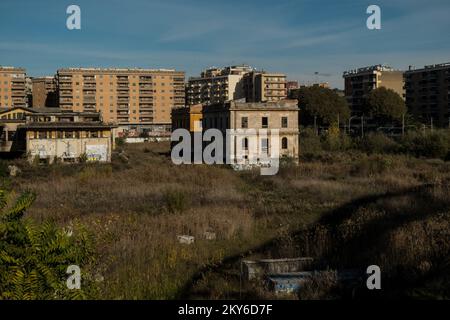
x=310, y=143
x=175, y=201
x=334, y=140
x=34, y=258
x=429, y=144
x=378, y=143
x=372, y=166
x=120, y=142
x=4, y=172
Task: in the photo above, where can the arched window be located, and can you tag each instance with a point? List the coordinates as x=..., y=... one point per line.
x=245, y=144
x=284, y=143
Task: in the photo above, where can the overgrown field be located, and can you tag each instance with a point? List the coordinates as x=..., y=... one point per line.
x=347, y=210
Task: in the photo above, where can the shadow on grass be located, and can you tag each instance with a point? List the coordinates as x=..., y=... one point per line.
x=352, y=253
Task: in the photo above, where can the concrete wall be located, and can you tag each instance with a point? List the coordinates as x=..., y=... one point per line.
x=96, y=149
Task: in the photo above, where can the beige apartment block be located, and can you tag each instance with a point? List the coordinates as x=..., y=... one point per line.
x=217, y=85
x=44, y=92
x=12, y=87
x=359, y=83
x=259, y=123
x=260, y=86
x=132, y=98
x=428, y=94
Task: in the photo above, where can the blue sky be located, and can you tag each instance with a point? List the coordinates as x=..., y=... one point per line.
x=297, y=37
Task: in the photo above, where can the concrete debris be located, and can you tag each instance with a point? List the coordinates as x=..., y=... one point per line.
x=14, y=170
x=184, y=239
x=210, y=235
x=260, y=268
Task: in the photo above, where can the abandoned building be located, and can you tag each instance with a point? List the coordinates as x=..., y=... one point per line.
x=48, y=135
x=257, y=128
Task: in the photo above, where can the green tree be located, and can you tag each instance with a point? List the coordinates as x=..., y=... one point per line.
x=34, y=258
x=322, y=106
x=385, y=105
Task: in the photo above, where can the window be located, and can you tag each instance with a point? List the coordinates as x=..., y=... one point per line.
x=42, y=135
x=284, y=122
x=265, y=144
x=265, y=122
x=244, y=122
x=245, y=144
x=284, y=143
x=69, y=134
x=11, y=135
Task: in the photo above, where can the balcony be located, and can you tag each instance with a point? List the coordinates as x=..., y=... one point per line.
x=65, y=85
x=89, y=98
x=123, y=100
x=145, y=86
x=122, y=93
x=19, y=93
x=65, y=79
x=89, y=107
x=122, y=80
x=146, y=93
x=66, y=93
x=145, y=79
x=89, y=80
x=65, y=100
x=89, y=86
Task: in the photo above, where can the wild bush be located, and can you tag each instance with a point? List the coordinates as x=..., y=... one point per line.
x=34, y=258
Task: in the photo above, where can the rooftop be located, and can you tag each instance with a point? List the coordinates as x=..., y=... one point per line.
x=431, y=67
x=65, y=125
x=287, y=105
x=378, y=67
x=106, y=70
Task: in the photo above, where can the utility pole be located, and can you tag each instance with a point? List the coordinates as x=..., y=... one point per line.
x=403, y=125
x=338, y=119
x=362, y=126
x=315, y=125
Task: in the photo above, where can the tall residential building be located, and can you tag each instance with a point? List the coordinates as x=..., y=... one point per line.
x=132, y=98
x=44, y=92
x=428, y=93
x=12, y=87
x=260, y=86
x=359, y=83
x=217, y=85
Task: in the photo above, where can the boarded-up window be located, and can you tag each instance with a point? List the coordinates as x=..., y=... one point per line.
x=244, y=122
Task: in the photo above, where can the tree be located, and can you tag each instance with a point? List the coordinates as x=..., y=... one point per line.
x=385, y=105
x=322, y=106
x=34, y=258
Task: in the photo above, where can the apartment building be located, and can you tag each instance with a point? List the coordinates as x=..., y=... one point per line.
x=359, y=83
x=12, y=87
x=44, y=93
x=135, y=99
x=260, y=86
x=217, y=85
x=253, y=128
x=428, y=94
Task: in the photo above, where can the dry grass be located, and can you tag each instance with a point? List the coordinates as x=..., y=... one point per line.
x=136, y=208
